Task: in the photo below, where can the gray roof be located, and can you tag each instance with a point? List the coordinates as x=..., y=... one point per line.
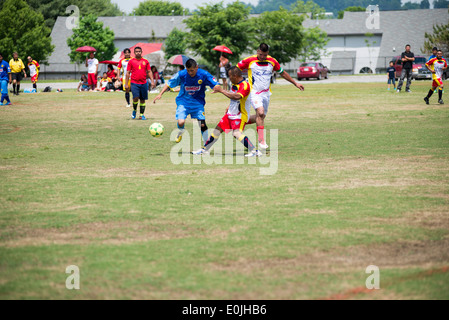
x=397, y=28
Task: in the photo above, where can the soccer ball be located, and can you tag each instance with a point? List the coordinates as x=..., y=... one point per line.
x=156, y=129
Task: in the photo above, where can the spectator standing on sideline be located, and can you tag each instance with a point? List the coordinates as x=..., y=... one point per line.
x=407, y=58
x=391, y=71
x=223, y=74
x=34, y=67
x=92, y=71
x=17, y=67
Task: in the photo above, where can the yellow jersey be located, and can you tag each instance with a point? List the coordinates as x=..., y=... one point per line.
x=16, y=66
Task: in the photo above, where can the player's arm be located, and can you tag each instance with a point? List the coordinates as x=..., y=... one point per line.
x=150, y=75
x=159, y=96
x=24, y=70
x=128, y=74
x=287, y=77
x=228, y=94
x=428, y=64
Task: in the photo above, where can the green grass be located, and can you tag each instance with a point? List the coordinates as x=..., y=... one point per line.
x=362, y=180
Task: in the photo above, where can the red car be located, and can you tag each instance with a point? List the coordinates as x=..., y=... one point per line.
x=309, y=70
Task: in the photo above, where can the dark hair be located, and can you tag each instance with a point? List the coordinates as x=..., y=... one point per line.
x=1, y=55
x=153, y=67
x=440, y=51
x=127, y=50
x=137, y=48
x=181, y=67
x=264, y=47
x=407, y=45
x=83, y=75
x=191, y=64
x=235, y=71
x=224, y=55
x=434, y=48
x=110, y=66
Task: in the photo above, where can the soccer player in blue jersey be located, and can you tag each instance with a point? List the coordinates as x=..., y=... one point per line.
x=5, y=77
x=191, y=97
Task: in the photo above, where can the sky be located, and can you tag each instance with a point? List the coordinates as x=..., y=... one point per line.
x=129, y=5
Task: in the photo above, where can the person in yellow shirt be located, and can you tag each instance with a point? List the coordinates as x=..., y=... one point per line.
x=17, y=67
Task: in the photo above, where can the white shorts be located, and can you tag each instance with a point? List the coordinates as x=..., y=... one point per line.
x=260, y=100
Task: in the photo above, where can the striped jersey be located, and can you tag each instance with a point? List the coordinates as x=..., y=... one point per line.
x=34, y=68
x=122, y=66
x=238, y=109
x=259, y=72
x=437, y=66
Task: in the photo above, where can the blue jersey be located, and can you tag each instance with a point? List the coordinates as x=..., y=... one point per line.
x=193, y=90
x=4, y=70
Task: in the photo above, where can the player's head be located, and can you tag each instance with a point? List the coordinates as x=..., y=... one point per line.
x=110, y=67
x=192, y=67
x=439, y=54
x=138, y=52
x=30, y=59
x=391, y=63
x=127, y=53
x=407, y=48
x=15, y=55
x=92, y=55
x=262, y=52
x=105, y=75
x=235, y=75
x=434, y=50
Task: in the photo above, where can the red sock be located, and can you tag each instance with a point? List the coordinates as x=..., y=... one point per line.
x=260, y=132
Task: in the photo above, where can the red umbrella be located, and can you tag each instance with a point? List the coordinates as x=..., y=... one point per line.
x=178, y=59
x=115, y=63
x=86, y=49
x=222, y=49
x=147, y=48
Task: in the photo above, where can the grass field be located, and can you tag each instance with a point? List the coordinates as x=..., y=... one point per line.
x=362, y=180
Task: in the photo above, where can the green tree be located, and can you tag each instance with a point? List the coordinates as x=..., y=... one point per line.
x=23, y=30
x=441, y=4
x=159, y=8
x=282, y=30
x=411, y=6
x=175, y=43
x=314, y=42
x=439, y=38
x=341, y=13
x=308, y=7
x=213, y=25
x=92, y=33
x=51, y=9
x=425, y=4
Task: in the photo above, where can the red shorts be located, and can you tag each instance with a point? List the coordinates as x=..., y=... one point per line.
x=92, y=79
x=34, y=78
x=437, y=82
x=227, y=124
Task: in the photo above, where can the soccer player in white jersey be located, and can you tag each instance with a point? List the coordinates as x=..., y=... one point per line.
x=123, y=64
x=260, y=68
x=436, y=66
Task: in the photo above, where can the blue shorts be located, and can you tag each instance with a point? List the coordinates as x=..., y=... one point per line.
x=140, y=90
x=195, y=112
x=390, y=80
x=4, y=86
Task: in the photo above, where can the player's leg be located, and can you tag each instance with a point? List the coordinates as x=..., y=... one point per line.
x=401, y=80
x=128, y=103
x=389, y=83
x=181, y=116
x=136, y=95
x=440, y=93
x=210, y=142
x=143, y=97
x=4, y=92
x=434, y=86
x=14, y=83
x=409, y=80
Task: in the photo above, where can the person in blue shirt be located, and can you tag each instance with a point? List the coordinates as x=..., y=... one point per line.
x=391, y=71
x=191, y=97
x=434, y=53
x=5, y=77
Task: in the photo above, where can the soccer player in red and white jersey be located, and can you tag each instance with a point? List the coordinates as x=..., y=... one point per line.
x=122, y=66
x=436, y=66
x=237, y=114
x=260, y=68
x=138, y=70
x=34, y=67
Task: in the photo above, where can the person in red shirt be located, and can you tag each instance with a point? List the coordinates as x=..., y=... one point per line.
x=139, y=69
x=112, y=74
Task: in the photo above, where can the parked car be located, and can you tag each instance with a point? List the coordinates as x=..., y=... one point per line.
x=309, y=70
x=419, y=72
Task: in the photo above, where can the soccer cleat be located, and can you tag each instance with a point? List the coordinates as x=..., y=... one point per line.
x=426, y=100
x=398, y=91
x=441, y=101
x=7, y=104
x=263, y=145
x=128, y=106
x=179, y=137
x=200, y=151
x=142, y=117
x=408, y=91
x=133, y=115
x=254, y=153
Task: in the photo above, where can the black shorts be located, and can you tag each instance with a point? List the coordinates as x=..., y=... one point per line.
x=17, y=76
